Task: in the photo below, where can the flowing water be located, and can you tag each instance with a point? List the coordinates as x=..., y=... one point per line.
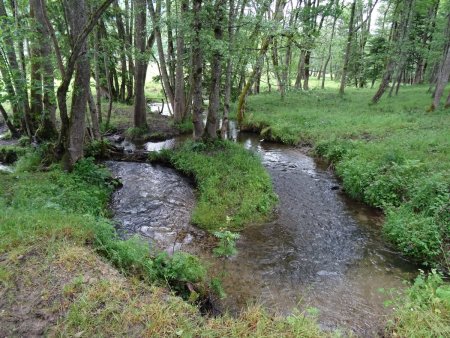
x=321, y=250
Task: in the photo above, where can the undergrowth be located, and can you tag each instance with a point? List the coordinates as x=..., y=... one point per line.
x=234, y=188
x=425, y=309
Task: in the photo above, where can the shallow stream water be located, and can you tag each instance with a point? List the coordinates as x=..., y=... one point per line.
x=321, y=250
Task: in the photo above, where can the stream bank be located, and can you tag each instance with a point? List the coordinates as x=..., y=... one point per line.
x=321, y=250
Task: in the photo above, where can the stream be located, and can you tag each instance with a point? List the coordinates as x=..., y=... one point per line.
x=321, y=250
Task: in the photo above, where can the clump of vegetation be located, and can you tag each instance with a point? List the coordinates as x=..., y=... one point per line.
x=231, y=182
x=97, y=148
x=133, y=132
x=425, y=311
x=227, y=243
x=10, y=154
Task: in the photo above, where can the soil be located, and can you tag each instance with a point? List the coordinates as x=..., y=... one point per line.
x=36, y=296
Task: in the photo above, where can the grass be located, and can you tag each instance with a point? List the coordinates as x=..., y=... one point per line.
x=425, y=311
x=60, y=256
x=234, y=189
x=393, y=155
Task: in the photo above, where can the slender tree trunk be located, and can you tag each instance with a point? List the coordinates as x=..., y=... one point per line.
x=20, y=99
x=128, y=47
x=279, y=8
x=110, y=88
x=9, y=124
x=442, y=80
x=156, y=18
x=36, y=106
x=216, y=74
x=347, y=49
x=329, y=52
x=300, y=70
x=229, y=70
x=306, y=69
x=197, y=68
x=98, y=85
x=141, y=65
x=123, y=59
x=45, y=109
x=170, y=47
x=94, y=116
x=269, y=85
x=180, y=107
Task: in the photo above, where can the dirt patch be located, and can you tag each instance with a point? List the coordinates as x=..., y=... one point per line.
x=160, y=127
x=38, y=287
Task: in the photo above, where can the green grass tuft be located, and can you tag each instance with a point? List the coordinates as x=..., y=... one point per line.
x=234, y=188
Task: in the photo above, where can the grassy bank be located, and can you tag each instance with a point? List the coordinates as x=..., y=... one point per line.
x=63, y=271
x=234, y=189
x=393, y=155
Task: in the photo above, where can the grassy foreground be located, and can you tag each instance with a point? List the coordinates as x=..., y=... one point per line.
x=393, y=155
x=234, y=188
x=63, y=271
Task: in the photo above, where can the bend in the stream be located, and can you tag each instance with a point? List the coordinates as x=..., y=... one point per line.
x=322, y=249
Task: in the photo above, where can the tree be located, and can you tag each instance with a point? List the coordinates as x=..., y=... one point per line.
x=140, y=104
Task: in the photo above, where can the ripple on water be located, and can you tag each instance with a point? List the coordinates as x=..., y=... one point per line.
x=155, y=202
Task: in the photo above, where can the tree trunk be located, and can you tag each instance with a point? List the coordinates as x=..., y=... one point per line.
x=279, y=10
x=77, y=17
x=20, y=99
x=329, y=52
x=9, y=124
x=179, y=108
x=216, y=73
x=128, y=47
x=306, y=69
x=123, y=59
x=300, y=70
x=140, y=65
x=94, y=116
x=110, y=88
x=347, y=49
x=36, y=106
x=442, y=80
x=197, y=69
x=156, y=19
x=98, y=85
x=229, y=70
x=45, y=109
